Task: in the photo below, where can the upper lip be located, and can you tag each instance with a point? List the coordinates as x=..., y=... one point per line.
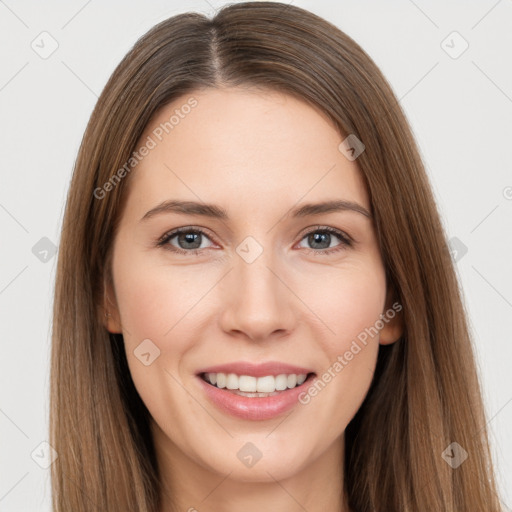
x=256, y=370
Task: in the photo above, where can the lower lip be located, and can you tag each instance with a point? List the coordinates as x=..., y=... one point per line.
x=254, y=408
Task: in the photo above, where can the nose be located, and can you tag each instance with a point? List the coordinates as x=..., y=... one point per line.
x=258, y=304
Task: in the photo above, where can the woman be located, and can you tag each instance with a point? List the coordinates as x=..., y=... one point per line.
x=309, y=350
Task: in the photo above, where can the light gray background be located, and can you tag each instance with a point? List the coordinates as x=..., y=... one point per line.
x=460, y=110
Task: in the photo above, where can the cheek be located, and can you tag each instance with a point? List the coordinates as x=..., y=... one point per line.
x=156, y=303
x=349, y=303
x=162, y=304
x=154, y=299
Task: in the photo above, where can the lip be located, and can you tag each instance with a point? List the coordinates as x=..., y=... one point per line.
x=255, y=408
x=257, y=370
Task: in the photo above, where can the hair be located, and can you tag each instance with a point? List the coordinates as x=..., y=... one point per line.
x=425, y=393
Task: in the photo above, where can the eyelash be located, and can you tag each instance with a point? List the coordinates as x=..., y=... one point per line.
x=345, y=240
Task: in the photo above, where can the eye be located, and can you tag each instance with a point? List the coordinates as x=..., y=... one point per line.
x=321, y=237
x=188, y=240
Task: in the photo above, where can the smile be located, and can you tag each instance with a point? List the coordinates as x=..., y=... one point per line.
x=255, y=392
x=248, y=385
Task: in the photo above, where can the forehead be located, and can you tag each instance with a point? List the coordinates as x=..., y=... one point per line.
x=244, y=146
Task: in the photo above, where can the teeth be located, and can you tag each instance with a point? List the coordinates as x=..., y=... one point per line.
x=220, y=377
x=246, y=383
x=291, y=381
x=300, y=379
x=250, y=384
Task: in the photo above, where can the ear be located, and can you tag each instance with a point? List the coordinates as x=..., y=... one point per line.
x=111, y=317
x=392, y=318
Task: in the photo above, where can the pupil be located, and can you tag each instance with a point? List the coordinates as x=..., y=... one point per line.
x=320, y=238
x=189, y=239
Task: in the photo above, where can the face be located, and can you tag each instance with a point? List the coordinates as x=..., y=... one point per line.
x=265, y=291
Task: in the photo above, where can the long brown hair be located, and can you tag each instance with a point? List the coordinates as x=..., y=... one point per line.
x=425, y=394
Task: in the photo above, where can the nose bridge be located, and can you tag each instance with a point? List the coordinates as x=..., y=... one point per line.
x=258, y=303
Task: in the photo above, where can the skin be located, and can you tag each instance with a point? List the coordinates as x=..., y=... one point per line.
x=258, y=155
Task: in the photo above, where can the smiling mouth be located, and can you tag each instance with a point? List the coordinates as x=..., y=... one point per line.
x=256, y=387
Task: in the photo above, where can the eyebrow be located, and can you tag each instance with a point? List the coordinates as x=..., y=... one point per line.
x=216, y=212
